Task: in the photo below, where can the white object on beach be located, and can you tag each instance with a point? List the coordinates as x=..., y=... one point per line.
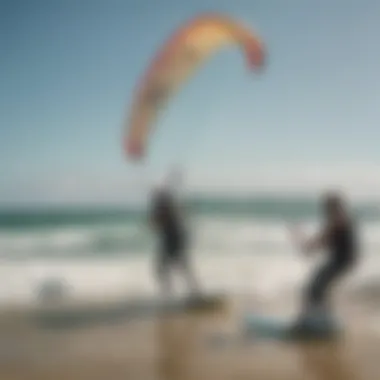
x=52, y=290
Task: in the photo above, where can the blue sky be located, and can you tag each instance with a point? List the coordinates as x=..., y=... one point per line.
x=68, y=70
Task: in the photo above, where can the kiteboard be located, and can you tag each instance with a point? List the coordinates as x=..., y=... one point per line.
x=269, y=327
x=69, y=315
x=256, y=328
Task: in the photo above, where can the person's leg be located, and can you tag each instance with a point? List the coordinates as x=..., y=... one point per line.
x=189, y=275
x=163, y=271
x=318, y=290
x=318, y=293
x=184, y=264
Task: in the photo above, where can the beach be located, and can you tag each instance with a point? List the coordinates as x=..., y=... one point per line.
x=241, y=251
x=259, y=120
x=181, y=347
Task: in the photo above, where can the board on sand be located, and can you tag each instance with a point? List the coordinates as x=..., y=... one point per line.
x=256, y=327
x=74, y=315
x=266, y=327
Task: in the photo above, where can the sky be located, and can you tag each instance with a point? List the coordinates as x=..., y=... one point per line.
x=68, y=71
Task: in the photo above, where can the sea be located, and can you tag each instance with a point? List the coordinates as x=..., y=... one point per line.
x=238, y=245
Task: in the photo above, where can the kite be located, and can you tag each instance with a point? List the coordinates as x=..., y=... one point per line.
x=185, y=51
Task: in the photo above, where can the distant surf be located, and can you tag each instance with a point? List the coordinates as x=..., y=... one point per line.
x=238, y=245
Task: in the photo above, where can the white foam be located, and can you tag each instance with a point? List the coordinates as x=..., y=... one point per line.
x=238, y=256
x=266, y=276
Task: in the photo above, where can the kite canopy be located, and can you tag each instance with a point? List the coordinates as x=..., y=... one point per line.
x=175, y=62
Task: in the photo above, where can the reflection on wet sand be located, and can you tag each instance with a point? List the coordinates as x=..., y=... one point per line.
x=323, y=360
x=176, y=347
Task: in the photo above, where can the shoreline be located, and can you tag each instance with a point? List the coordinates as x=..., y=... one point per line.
x=176, y=348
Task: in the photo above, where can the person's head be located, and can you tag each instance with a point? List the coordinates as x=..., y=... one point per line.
x=333, y=204
x=162, y=197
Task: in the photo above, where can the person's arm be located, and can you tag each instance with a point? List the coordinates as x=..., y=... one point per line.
x=309, y=245
x=152, y=217
x=316, y=242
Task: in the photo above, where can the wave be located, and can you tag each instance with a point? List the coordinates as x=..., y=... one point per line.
x=209, y=235
x=73, y=241
x=278, y=277
x=37, y=219
x=257, y=208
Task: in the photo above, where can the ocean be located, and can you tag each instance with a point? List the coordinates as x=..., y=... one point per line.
x=238, y=245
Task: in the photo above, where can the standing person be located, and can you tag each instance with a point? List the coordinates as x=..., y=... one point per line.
x=168, y=222
x=338, y=238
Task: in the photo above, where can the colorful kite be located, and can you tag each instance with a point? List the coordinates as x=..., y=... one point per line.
x=176, y=61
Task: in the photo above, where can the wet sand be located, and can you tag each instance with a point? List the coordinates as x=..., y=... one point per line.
x=179, y=348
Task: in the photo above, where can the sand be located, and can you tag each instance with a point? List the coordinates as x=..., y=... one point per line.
x=180, y=348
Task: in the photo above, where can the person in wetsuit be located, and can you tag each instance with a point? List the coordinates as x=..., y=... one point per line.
x=338, y=238
x=167, y=221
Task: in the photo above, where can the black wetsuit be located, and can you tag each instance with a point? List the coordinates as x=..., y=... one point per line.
x=172, y=236
x=342, y=255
